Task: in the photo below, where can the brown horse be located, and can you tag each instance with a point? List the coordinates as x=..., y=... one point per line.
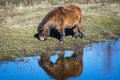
x=61, y=18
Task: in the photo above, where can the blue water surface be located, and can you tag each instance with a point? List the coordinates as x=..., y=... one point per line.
x=23, y=70
x=101, y=61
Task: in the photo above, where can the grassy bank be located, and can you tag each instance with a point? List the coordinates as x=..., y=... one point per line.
x=18, y=27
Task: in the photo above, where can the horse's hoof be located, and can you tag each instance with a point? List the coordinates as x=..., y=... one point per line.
x=84, y=37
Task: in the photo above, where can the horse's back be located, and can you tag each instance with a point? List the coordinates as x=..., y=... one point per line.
x=74, y=15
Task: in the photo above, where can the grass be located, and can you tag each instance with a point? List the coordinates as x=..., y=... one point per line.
x=18, y=26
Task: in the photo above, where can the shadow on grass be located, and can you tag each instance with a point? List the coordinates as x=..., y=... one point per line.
x=55, y=34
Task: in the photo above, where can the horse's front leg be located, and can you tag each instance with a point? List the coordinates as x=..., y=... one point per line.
x=62, y=34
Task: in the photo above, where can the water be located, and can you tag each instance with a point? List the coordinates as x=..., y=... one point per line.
x=97, y=61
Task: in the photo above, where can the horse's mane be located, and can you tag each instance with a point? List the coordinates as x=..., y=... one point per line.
x=49, y=15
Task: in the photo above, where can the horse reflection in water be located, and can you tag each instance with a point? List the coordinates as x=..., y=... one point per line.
x=62, y=65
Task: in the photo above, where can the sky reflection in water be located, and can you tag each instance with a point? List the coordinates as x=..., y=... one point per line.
x=101, y=61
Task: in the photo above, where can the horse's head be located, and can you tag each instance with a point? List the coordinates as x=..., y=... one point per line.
x=43, y=33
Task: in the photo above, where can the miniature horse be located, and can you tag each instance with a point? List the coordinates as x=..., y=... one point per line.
x=61, y=18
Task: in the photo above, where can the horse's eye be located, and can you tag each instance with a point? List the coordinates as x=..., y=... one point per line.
x=40, y=27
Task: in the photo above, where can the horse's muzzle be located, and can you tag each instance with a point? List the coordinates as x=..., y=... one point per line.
x=43, y=38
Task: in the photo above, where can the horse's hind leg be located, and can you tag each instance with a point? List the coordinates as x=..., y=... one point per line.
x=80, y=30
x=75, y=30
